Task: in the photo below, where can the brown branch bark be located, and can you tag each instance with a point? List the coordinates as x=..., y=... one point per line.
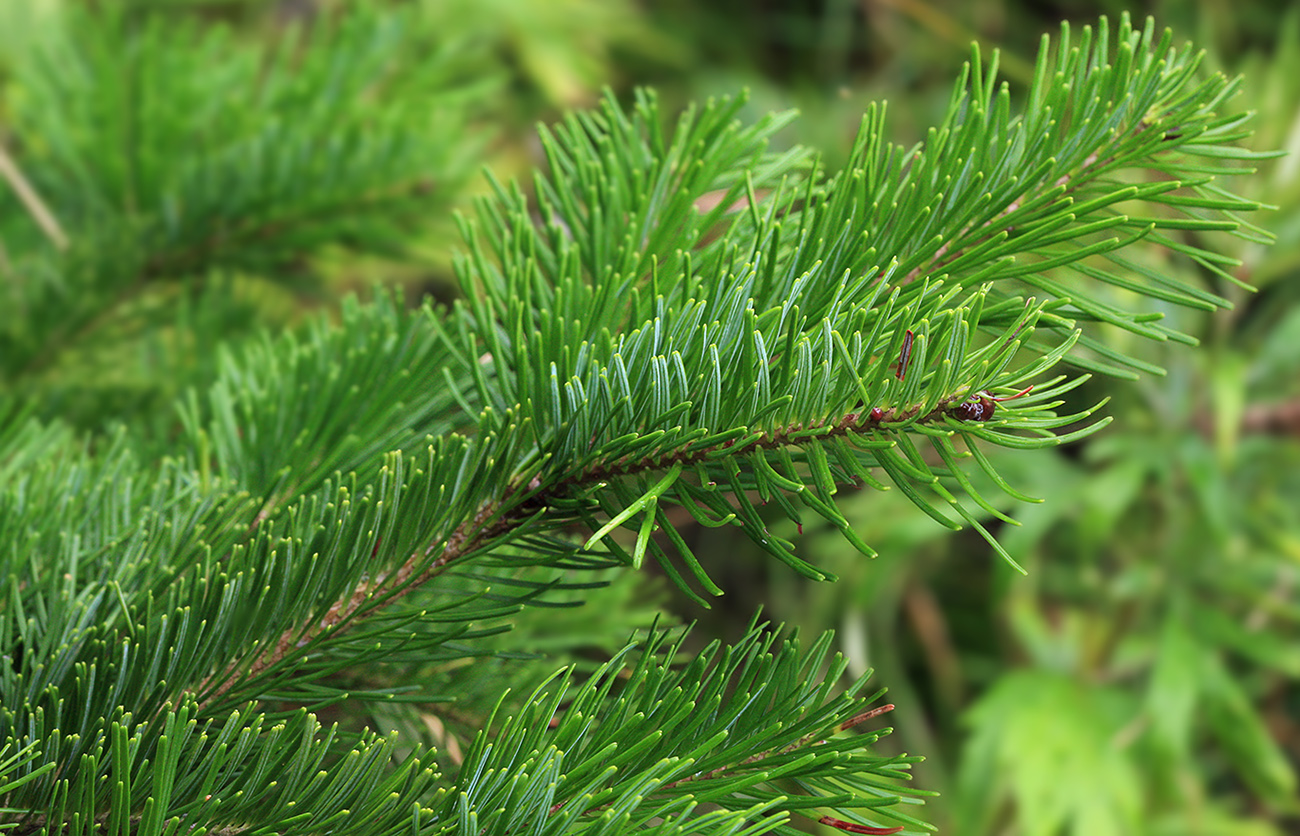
x=518, y=503
x=465, y=539
x=1272, y=418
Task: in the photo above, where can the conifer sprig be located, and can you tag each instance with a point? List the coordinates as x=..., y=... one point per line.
x=732, y=728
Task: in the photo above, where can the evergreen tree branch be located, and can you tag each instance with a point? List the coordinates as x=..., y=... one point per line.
x=501, y=520
x=723, y=730
x=1061, y=190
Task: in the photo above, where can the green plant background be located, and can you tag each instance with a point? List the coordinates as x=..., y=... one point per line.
x=1143, y=679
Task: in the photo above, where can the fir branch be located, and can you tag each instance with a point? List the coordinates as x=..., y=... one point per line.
x=470, y=537
x=641, y=742
x=803, y=742
x=497, y=522
x=1059, y=191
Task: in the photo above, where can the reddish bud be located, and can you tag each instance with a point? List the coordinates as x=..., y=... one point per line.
x=982, y=405
x=978, y=408
x=850, y=827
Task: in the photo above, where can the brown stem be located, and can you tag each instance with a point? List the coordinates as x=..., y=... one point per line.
x=1272, y=419
x=31, y=201
x=854, y=422
x=802, y=742
x=519, y=502
x=931, y=629
x=1278, y=419
x=466, y=538
x=850, y=827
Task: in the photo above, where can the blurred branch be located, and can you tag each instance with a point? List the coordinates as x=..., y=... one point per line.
x=948, y=29
x=927, y=619
x=1273, y=418
x=1281, y=419
x=32, y=201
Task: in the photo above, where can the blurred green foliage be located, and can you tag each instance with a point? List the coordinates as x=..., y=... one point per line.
x=1143, y=679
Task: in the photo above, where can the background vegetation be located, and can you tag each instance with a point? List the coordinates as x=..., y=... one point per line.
x=1144, y=678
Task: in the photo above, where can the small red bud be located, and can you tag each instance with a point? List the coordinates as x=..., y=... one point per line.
x=850, y=827
x=981, y=406
x=978, y=408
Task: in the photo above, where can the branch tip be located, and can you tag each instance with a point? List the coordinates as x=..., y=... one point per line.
x=865, y=716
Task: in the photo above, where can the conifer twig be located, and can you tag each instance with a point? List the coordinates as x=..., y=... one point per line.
x=942, y=256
